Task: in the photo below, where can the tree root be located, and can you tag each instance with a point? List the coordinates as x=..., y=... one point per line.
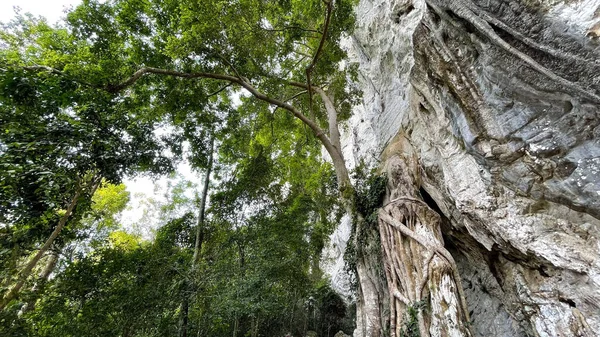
x=462, y=10
x=524, y=39
x=440, y=250
x=406, y=278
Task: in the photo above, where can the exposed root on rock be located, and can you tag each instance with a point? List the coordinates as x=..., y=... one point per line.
x=425, y=290
x=524, y=39
x=407, y=272
x=463, y=9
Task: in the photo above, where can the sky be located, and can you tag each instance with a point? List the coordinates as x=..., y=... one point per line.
x=141, y=188
x=50, y=9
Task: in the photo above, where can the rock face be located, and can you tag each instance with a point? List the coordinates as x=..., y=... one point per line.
x=332, y=260
x=501, y=102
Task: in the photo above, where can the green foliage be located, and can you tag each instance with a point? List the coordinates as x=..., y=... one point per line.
x=127, y=287
x=410, y=327
x=108, y=201
x=54, y=131
x=107, y=204
x=370, y=189
x=254, y=268
x=64, y=113
x=123, y=240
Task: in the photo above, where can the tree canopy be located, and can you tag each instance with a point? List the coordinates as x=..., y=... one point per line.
x=128, y=87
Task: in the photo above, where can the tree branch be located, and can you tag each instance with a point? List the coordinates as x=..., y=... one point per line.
x=44, y=68
x=287, y=100
x=334, y=132
x=284, y=28
x=149, y=70
x=311, y=66
x=296, y=95
x=230, y=66
x=218, y=91
x=336, y=156
x=462, y=11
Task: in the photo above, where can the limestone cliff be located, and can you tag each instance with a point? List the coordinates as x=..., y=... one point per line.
x=499, y=104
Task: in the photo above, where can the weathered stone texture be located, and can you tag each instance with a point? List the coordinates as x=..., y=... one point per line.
x=500, y=99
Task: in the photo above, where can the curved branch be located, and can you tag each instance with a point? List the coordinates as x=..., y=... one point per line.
x=44, y=68
x=149, y=70
x=336, y=156
x=313, y=63
x=218, y=91
x=291, y=98
x=232, y=79
x=405, y=198
x=285, y=28
x=296, y=96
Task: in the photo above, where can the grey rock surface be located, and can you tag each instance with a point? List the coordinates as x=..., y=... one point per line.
x=332, y=260
x=501, y=99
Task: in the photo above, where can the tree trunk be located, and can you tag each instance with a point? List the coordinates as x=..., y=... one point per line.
x=183, y=324
x=202, y=206
x=198, y=242
x=255, y=324
x=42, y=279
x=24, y=274
x=370, y=320
x=235, y=326
x=293, y=310
x=426, y=295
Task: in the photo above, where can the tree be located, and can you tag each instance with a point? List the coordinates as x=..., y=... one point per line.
x=108, y=201
x=59, y=140
x=89, y=187
x=251, y=276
